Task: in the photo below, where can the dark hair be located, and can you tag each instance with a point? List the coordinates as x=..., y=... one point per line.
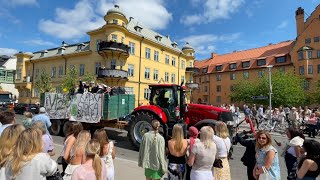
x=311, y=147
x=7, y=117
x=295, y=132
x=74, y=128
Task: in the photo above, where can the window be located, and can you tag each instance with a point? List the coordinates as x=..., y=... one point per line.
x=121, y=65
x=113, y=64
x=318, y=68
x=60, y=70
x=167, y=59
x=245, y=64
x=147, y=73
x=28, y=93
x=156, y=55
x=316, y=39
x=138, y=28
x=43, y=53
x=36, y=92
x=81, y=71
x=114, y=21
x=308, y=40
x=218, y=99
x=130, y=70
x=131, y=47
x=205, y=70
x=218, y=77
x=261, y=62
x=19, y=59
x=37, y=73
x=232, y=76
x=173, y=61
x=310, y=69
x=182, y=79
x=54, y=70
x=191, y=79
x=147, y=53
x=260, y=73
x=97, y=44
x=183, y=64
x=173, y=78
x=219, y=68
x=79, y=47
x=306, y=84
x=166, y=77
x=72, y=67
x=318, y=54
x=301, y=70
x=98, y=65
x=122, y=39
x=147, y=93
x=281, y=59
x=114, y=37
x=205, y=88
x=61, y=50
x=300, y=55
x=155, y=74
x=190, y=64
x=158, y=38
x=309, y=54
x=245, y=74
x=218, y=88
x=233, y=66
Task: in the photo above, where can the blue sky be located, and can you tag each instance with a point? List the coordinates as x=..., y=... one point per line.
x=220, y=26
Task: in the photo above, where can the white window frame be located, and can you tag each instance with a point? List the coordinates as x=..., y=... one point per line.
x=130, y=70
x=19, y=73
x=173, y=78
x=173, y=63
x=113, y=64
x=166, y=77
x=114, y=37
x=81, y=69
x=183, y=64
x=148, y=53
x=132, y=48
x=147, y=73
x=97, y=66
x=156, y=56
x=54, y=72
x=60, y=70
x=146, y=93
x=155, y=74
x=167, y=59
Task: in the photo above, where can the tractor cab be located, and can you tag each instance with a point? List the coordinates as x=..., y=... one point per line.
x=170, y=98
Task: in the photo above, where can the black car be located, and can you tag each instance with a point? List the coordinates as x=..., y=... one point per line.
x=23, y=107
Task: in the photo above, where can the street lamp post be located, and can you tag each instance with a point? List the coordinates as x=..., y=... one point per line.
x=270, y=91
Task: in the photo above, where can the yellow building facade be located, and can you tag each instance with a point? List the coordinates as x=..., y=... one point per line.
x=121, y=53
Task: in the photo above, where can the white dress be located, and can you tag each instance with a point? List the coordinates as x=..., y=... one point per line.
x=109, y=162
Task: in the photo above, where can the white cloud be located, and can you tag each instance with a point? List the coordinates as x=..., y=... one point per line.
x=206, y=43
x=88, y=15
x=283, y=25
x=38, y=42
x=253, y=6
x=8, y=51
x=212, y=10
x=20, y=2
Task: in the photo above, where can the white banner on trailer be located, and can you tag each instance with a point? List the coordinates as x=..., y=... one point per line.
x=86, y=107
x=56, y=105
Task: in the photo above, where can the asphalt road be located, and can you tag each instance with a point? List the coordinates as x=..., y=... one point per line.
x=126, y=151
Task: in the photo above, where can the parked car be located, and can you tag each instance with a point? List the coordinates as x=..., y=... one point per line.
x=23, y=107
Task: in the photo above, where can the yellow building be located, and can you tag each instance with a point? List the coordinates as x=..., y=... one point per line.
x=133, y=56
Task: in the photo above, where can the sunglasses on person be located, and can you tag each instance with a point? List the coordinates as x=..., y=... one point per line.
x=263, y=138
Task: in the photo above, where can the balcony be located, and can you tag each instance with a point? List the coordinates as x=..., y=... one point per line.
x=105, y=47
x=113, y=74
x=6, y=79
x=192, y=85
x=192, y=70
x=24, y=83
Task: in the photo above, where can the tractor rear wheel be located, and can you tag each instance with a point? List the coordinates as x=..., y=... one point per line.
x=141, y=124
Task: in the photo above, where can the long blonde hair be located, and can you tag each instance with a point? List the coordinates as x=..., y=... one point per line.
x=269, y=140
x=7, y=140
x=155, y=125
x=101, y=136
x=177, y=136
x=221, y=130
x=81, y=141
x=29, y=144
x=92, y=152
x=206, y=135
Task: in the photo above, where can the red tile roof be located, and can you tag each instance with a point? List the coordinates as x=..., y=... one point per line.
x=268, y=52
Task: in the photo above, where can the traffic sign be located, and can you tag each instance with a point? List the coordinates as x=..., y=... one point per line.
x=259, y=97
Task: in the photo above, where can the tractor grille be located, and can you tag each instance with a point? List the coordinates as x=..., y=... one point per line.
x=226, y=116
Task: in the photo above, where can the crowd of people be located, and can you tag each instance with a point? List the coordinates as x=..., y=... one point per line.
x=25, y=151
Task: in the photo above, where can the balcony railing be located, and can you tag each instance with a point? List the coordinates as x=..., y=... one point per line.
x=113, y=46
x=192, y=69
x=113, y=73
x=6, y=79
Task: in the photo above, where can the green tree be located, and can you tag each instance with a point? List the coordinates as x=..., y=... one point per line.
x=286, y=90
x=88, y=77
x=70, y=80
x=43, y=83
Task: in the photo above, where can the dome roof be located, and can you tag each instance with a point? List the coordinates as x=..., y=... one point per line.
x=116, y=10
x=187, y=47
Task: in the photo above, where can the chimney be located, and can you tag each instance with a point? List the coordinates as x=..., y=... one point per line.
x=214, y=55
x=130, y=18
x=300, y=20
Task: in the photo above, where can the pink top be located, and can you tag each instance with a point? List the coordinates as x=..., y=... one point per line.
x=85, y=171
x=312, y=120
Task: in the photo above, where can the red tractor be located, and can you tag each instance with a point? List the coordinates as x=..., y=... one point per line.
x=168, y=105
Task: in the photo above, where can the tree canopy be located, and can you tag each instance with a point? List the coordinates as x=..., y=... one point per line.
x=287, y=89
x=70, y=80
x=43, y=84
